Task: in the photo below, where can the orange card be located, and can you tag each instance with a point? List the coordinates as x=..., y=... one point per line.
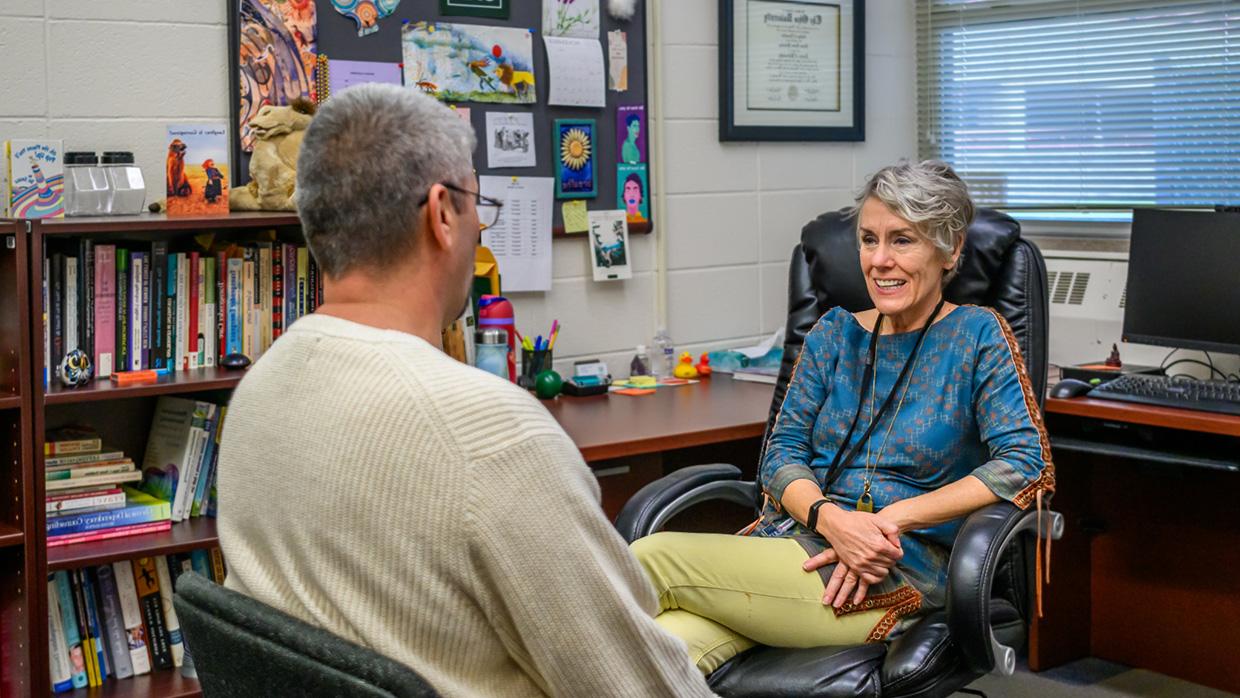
x=636, y=391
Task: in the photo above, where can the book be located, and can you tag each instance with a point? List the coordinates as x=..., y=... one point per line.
x=217, y=566
x=757, y=374
x=86, y=594
x=121, y=465
x=202, y=462
x=209, y=313
x=145, y=332
x=45, y=290
x=73, y=638
x=93, y=481
x=36, y=182
x=263, y=281
x=182, y=313
x=192, y=462
x=159, y=294
x=200, y=561
x=57, y=310
x=140, y=508
x=72, y=318
x=221, y=305
x=236, y=267
x=109, y=533
x=80, y=458
x=197, y=170
x=72, y=440
x=170, y=313
x=303, y=272
x=121, y=325
x=131, y=617
x=91, y=499
x=175, y=644
x=249, y=345
x=169, y=447
x=58, y=649
x=137, y=265
x=277, y=292
x=86, y=296
x=146, y=581
x=113, y=623
x=202, y=489
x=193, y=344
x=105, y=309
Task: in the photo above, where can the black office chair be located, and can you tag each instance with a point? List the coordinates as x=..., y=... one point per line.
x=988, y=604
x=243, y=648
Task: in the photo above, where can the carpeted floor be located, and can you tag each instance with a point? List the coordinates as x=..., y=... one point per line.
x=1091, y=678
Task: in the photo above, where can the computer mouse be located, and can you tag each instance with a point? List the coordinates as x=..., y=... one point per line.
x=234, y=361
x=1070, y=387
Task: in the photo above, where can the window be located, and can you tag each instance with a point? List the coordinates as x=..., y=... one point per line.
x=1086, y=104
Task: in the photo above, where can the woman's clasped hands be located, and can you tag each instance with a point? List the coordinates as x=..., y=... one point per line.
x=863, y=548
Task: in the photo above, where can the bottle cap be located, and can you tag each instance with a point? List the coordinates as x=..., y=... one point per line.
x=81, y=157
x=492, y=335
x=117, y=157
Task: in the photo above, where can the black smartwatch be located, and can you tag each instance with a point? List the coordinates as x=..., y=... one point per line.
x=811, y=521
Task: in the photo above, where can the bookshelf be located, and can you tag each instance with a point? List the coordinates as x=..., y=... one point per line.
x=122, y=414
x=20, y=535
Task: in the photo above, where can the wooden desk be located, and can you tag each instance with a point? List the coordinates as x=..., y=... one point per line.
x=1147, y=571
x=630, y=441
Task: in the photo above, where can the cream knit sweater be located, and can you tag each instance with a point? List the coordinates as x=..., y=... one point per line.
x=372, y=486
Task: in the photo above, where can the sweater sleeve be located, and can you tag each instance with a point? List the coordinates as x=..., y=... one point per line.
x=1008, y=419
x=567, y=598
x=789, y=451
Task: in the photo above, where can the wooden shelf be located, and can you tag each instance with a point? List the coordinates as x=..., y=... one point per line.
x=186, y=535
x=166, y=683
x=179, y=382
x=10, y=536
x=10, y=401
x=160, y=221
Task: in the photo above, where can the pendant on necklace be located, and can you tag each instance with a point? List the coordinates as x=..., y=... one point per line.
x=865, y=502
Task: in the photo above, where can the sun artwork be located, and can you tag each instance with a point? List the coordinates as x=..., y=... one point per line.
x=575, y=149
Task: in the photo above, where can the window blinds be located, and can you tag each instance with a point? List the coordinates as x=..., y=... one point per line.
x=1083, y=103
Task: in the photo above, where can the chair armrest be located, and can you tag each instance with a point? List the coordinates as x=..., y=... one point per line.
x=975, y=559
x=653, y=505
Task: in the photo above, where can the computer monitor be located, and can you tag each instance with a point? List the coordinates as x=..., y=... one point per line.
x=1184, y=280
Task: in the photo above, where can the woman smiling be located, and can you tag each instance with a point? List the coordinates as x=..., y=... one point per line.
x=898, y=422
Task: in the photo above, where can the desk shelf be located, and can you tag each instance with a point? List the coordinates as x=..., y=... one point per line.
x=185, y=535
x=165, y=683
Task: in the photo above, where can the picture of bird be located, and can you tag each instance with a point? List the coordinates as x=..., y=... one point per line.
x=478, y=68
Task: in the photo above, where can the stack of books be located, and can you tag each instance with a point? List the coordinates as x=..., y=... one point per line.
x=137, y=307
x=117, y=620
x=86, y=494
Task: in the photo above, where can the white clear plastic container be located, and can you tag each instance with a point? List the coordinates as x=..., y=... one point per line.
x=86, y=185
x=664, y=360
x=126, y=182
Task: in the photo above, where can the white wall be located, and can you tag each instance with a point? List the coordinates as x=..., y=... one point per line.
x=110, y=75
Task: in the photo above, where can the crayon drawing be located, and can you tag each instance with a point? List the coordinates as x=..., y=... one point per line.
x=469, y=63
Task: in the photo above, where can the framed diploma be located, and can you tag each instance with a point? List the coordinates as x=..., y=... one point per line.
x=792, y=70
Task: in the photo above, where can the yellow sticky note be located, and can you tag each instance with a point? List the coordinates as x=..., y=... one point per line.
x=576, y=220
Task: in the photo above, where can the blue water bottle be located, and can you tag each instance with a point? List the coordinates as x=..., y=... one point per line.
x=491, y=351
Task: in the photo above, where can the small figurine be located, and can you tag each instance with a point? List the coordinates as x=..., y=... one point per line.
x=548, y=384
x=1113, y=360
x=703, y=366
x=75, y=369
x=685, y=368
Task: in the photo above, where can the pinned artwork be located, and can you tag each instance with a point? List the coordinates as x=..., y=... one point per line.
x=609, y=246
x=617, y=61
x=275, y=57
x=631, y=192
x=469, y=63
x=510, y=140
x=364, y=13
x=36, y=183
x=574, y=154
x=577, y=18
x=631, y=134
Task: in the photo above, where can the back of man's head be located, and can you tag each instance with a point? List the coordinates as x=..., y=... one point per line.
x=370, y=155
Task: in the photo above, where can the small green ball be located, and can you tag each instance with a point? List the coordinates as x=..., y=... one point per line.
x=547, y=384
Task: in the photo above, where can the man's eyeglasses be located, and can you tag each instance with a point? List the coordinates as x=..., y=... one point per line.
x=488, y=208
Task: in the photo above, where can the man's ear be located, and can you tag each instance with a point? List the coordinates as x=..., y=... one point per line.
x=440, y=215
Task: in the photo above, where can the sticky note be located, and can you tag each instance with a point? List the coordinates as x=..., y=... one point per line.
x=576, y=220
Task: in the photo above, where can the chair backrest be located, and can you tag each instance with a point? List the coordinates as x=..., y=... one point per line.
x=243, y=648
x=999, y=269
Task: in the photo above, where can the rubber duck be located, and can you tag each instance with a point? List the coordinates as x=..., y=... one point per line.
x=685, y=368
x=703, y=366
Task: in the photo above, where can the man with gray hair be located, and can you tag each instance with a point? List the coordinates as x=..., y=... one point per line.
x=373, y=486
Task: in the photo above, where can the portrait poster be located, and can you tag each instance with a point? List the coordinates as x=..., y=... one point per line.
x=633, y=192
x=631, y=134
x=609, y=246
x=573, y=141
x=469, y=63
x=275, y=57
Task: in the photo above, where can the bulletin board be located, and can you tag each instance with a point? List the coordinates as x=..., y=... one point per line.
x=337, y=38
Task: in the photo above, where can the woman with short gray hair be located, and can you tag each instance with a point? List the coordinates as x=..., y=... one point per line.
x=898, y=422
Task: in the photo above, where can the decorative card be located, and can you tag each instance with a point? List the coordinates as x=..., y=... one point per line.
x=510, y=140
x=196, y=170
x=577, y=18
x=631, y=134
x=632, y=192
x=609, y=246
x=617, y=61
x=36, y=178
x=470, y=63
x=573, y=140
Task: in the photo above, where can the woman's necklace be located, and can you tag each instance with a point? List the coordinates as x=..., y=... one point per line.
x=866, y=501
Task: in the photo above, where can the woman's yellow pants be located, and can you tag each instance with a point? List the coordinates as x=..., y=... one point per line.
x=722, y=594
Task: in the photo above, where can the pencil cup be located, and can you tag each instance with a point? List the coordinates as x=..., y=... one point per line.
x=533, y=363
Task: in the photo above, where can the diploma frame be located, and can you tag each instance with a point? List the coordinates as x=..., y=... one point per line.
x=846, y=122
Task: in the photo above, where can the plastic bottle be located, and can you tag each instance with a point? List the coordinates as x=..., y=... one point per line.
x=496, y=311
x=491, y=353
x=86, y=185
x=125, y=181
x=665, y=354
x=640, y=366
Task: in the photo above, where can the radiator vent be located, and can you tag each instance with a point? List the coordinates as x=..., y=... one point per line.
x=1068, y=287
x=1077, y=295
x=1123, y=298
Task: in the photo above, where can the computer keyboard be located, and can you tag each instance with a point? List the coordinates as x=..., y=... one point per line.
x=1185, y=393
